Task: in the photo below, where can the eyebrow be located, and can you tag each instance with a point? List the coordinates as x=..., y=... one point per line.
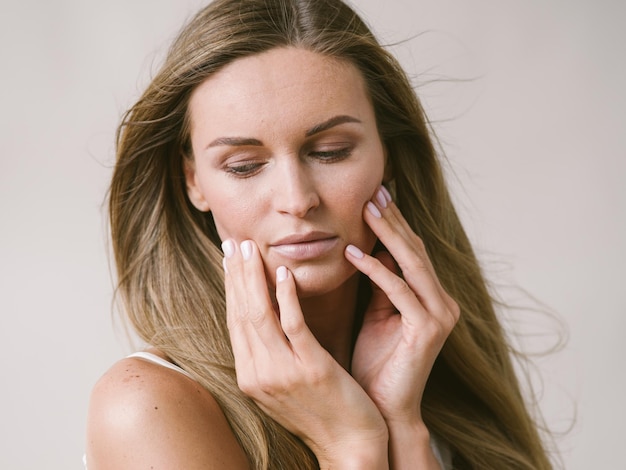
x=330, y=123
x=235, y=142
x=321, y=127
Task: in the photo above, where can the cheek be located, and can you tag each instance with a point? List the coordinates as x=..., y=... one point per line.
x=234, y=218
x=352, y=197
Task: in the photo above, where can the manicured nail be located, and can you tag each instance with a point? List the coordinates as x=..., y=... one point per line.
x=281, y=273
x=386, y=193
x=381, y=198
x=354, y=251
x=228, y=247
x=373, y=209
x=246, y=249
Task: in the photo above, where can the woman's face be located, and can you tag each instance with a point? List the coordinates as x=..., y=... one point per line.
x=286, y=153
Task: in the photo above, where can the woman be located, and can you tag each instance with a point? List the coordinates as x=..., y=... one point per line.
x=285, y=242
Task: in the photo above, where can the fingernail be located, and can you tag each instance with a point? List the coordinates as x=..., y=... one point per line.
x=381, y=198
x=281, y=273
x=386, y=193
x=228, y=247
x=354, y=251
x=373, y=209
x=246, y=249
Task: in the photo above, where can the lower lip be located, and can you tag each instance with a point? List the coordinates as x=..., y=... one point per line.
x=306, y=250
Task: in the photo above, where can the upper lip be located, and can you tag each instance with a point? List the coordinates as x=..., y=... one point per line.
x=303, y=238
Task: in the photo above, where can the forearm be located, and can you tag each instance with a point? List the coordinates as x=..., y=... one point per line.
x=409, y=447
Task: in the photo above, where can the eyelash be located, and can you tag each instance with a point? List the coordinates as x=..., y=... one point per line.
x=332, y=155
x=245, y=170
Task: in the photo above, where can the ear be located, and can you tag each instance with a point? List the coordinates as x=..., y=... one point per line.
x=194, y=191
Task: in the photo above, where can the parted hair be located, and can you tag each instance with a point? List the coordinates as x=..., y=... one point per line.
x=168, y=261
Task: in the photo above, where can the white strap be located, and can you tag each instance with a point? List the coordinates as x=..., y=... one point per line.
x=159, y=360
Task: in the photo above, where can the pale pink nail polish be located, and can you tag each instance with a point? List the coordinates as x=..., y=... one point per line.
x=373, y=209
x=246, y=249
x=281, y=273
x=386, y=193
x=354, y=251
x=228, y=247
x=380, y=198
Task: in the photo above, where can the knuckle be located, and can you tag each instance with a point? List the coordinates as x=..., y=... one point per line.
x=292, y=327
x=257, y=317
x=318, y=375
x=233, y=321
x=266, y=385
x=247, y=385
x=399, y=287
x=436, y=330
x=419, y=244
x=258, y=386
x=416, y=270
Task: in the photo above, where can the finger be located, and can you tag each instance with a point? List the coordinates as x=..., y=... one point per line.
x=380, y=307
x=394, y=287
x=395, y=218
x=379, y=298
x=262, y=321
x=303, y=343
x=383, y=202
x=238, y=336
x=256, y=333
x=382, y=209
x=385, y=219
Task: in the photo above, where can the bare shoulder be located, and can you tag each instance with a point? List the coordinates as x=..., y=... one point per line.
x=143, y=415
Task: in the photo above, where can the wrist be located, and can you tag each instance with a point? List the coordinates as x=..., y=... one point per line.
x=369, y=454
x=414, y=431
x=410, y=446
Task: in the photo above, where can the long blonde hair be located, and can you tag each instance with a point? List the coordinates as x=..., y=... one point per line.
x=170, y=279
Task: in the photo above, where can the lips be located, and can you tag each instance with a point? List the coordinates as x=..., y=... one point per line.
x=305, y=246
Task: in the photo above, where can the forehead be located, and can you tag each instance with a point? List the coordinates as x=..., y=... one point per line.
x=283, y=87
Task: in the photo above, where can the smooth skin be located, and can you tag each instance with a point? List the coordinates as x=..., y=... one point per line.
x=288, y=159
x=145, y=416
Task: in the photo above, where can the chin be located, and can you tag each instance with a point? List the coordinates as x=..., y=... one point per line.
x=313, y=281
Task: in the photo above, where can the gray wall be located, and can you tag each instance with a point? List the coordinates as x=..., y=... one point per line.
x=536, y=145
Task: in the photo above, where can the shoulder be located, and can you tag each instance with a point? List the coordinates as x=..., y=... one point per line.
x=143, y=414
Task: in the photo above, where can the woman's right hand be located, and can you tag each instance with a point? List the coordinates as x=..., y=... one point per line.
x=284, y=369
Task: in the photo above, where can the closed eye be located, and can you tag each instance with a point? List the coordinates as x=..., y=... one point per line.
x=331, y=155
x=244, y=169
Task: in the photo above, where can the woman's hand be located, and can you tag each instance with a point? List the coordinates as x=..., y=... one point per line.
x=407, y=321
x=284, y=369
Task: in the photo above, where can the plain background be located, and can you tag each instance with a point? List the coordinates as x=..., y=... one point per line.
x=528, y=100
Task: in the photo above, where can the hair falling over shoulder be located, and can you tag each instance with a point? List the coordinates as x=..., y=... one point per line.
x=170, y=280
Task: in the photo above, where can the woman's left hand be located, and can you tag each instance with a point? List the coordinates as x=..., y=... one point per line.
x=408, y=320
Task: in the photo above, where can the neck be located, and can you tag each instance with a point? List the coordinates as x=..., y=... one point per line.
x=331, y=318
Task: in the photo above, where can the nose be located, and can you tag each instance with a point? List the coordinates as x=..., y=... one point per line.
x=295, y=190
